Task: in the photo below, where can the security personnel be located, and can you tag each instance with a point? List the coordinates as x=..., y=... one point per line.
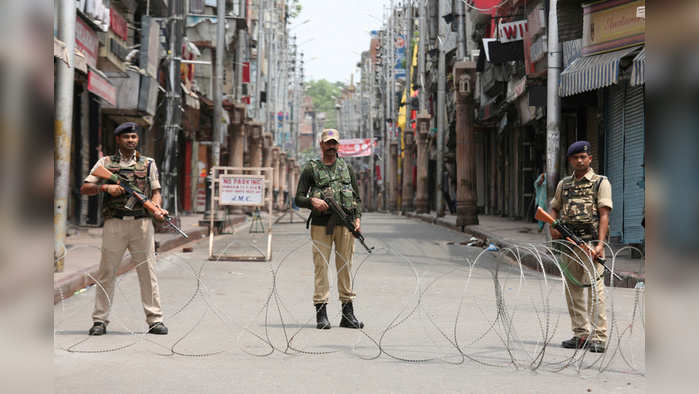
x=127, y=228
x=583, y=201
x=331, y=176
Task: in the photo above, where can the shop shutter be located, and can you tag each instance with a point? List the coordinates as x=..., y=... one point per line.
x=614, y=168
x=634, y=185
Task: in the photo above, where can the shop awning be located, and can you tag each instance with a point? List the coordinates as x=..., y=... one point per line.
x=99, y=84
x=61, y=52
x=592, y=72
x=638, y=69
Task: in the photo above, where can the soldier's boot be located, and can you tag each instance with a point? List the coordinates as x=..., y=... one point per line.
x=98, y=328
x=322, y=322
x=575, y=343
x=597, y=347
x=348, y=319
x=157, y=328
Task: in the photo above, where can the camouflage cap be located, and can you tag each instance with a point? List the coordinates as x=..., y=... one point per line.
x=330, y=134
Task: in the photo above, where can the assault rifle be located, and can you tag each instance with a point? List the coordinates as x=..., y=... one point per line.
x=571, y=237
x=135, y=195
x=345, y=220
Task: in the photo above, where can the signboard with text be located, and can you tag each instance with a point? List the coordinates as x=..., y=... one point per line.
x=612, y=25
x=242, y=190
x=357, y=147
x=512, y=31
x=87, y=41
x=101, y=86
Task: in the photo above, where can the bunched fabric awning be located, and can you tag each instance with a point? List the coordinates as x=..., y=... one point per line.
x=638, y=69
x=592, y=72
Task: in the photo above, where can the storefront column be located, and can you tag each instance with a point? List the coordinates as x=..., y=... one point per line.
x=236, y=146
x=466, y=209
x=276, y=151
x=283, y=176
x=423, y=127
x=408, y=163
x=255, y=145
x=393, y=183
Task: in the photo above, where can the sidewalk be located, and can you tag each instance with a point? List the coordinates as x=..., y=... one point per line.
x=83, y=253
x=505, y=232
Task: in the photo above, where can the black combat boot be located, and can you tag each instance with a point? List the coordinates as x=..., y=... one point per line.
x=348, y=319
x=98, y=328
x=575, y=343
x=157, y=328
x=322, y=317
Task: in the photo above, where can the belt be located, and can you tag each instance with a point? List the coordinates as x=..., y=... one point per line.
x=128, y=217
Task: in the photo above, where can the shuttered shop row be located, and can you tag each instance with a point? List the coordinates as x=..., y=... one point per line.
x=625, y=141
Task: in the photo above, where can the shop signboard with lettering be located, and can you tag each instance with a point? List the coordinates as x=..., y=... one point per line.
x=612, y=25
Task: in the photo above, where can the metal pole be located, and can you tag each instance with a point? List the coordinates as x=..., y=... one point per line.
x=422, y=28
x=370, y=135
x=258, y=67
x=169, y=171
x=441, y=112
x=460, y=39
x=218, y=82
x=63, y=129
x=553, y=102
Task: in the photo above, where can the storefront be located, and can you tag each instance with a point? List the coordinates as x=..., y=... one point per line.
x=609, y=69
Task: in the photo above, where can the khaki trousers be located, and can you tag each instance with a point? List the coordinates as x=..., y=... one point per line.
x=344, y=249
x=138, y=236
x=588, y=317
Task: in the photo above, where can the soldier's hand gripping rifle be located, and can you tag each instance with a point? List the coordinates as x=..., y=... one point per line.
x=571, y=237
x=345, y=220
x=135, y=195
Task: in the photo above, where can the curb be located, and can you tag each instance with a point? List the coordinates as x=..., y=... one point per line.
x=66, y=287
x=628, y=279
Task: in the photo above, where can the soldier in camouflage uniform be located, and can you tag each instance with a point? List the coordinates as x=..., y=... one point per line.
x=333, y=177
x=127, y=228
x=583, y=201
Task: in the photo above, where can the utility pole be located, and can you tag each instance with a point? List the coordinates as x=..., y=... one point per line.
x=460, y=28
x=422, y=28
x=370, y=134
x=172, y=107
x=258, y=60
x=553, y=102
x=218, y=82
x=240, y=53
x=441, y=112
x=65, y=75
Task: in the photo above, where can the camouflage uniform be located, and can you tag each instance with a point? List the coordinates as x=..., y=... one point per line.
x=132, y=229
x=578, y=203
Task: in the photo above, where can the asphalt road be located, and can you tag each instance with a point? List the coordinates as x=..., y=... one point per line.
x=439, y=318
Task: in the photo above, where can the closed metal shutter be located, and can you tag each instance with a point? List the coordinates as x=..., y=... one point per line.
x=634, y=176
x=614, y=168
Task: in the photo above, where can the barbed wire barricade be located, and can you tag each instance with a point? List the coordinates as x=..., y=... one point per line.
x=516, y=324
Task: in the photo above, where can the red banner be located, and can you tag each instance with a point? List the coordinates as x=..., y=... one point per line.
x=246, y=72
x=118, y=24
x=87, y=41
x=101, y=87
x=358, y=147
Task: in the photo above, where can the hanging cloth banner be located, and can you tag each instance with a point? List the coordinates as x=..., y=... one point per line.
x=358, y=147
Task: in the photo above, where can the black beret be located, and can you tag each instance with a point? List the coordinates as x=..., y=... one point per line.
x=579, y=147
x=128, y=127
